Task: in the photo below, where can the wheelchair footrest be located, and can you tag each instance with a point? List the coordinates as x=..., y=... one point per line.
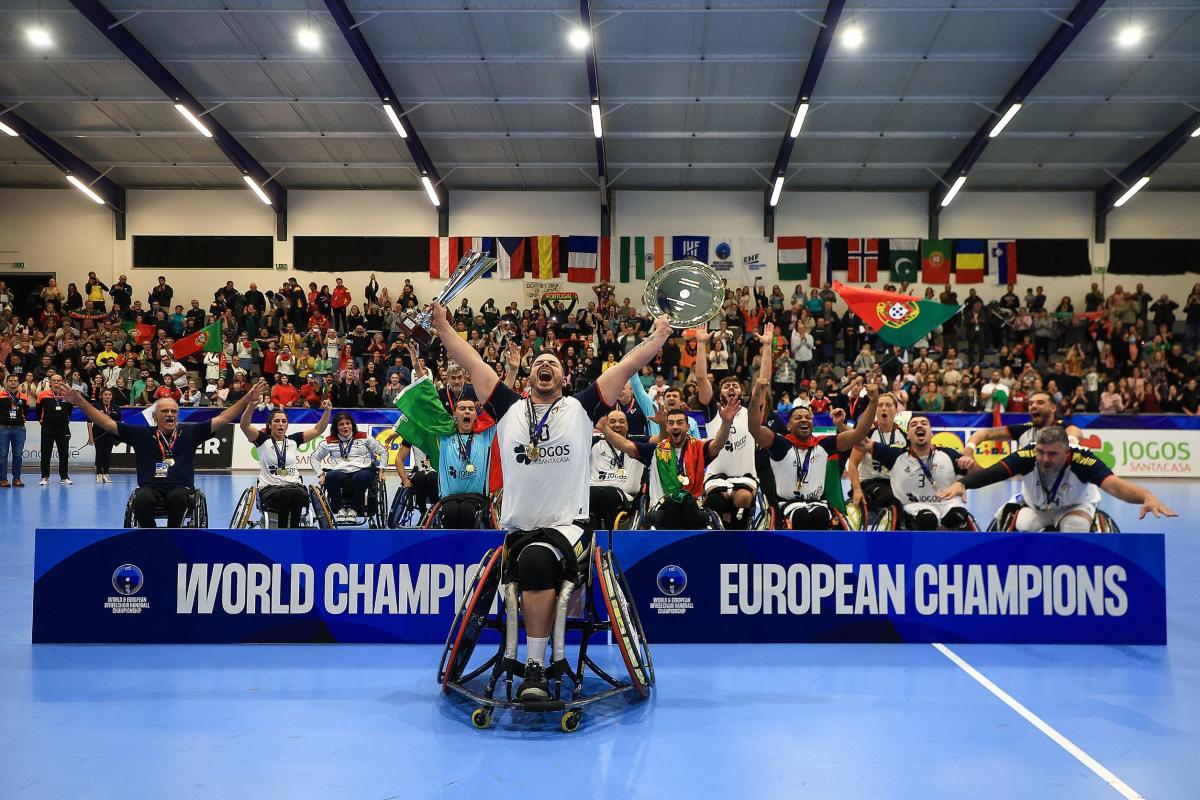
x=544, y=705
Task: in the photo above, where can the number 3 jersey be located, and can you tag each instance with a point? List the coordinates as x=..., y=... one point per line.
x=918, y=479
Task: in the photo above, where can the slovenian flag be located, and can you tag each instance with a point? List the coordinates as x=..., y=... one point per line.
x=1002, y=260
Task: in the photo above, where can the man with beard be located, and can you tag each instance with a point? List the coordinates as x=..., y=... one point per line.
x=1061, y=485
x=799, y=461
x=1041, y=416
x=870, y=480
x=545, y=445
x=616, y=478
x=463, y=467
x=919, y=472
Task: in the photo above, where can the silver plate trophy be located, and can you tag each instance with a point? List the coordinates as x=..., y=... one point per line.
x=419, y=326
x=689, y=292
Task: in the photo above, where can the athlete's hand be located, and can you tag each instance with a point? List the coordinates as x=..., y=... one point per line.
x=65, y=391
x=440, y=318
x=662, y=328
x=327, y=404
x=952, y=491
x=660, y=416
x=966, y=461
x=730, y=410
x=856, y=497
x=1155, y=506
x=872, y=391
x=703, y=335
x=512, y=355
x=838, y=415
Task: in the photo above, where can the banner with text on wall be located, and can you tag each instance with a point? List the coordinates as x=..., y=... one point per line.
x=223, y=586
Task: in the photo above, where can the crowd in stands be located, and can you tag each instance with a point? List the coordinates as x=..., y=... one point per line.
x=1121, y=353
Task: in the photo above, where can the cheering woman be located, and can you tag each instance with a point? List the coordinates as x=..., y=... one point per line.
x=282, y=488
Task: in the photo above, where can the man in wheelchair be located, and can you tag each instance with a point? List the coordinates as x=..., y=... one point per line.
x=919, y=472
x=356, y=461
x=464, y=462
x=1061, y=485
x=616, y=477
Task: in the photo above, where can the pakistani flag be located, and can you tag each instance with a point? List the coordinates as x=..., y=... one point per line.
x=899, y=319
x=906, y=257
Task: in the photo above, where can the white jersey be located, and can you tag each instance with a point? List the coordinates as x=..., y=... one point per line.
x=611, y=467
x=870, y=469
x=800, y=471
x=918, y=480
x=1073, y=490
x=348, y=455
x=551, y=490
x=272, y=471
x=737, y=456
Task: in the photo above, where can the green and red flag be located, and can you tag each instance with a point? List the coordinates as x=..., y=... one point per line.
x=140, y=331
x=424, y=420
x=899, y=319
x=207, y=340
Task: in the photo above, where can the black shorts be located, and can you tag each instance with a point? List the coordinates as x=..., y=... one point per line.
x=572, y=564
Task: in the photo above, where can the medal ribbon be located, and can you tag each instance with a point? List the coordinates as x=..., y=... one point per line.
x=618, y=458
x=167, y=448
x=464, y=451
x=346, y=448
x=927, y=468
x=280, y=454
x=802, y=470
x=536, y=431
x=1052, y=492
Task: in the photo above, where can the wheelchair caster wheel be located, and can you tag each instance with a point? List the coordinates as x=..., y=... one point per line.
x=570, y=720
x=481, y=718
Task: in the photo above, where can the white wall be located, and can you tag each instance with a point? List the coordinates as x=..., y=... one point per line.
x=60, y=231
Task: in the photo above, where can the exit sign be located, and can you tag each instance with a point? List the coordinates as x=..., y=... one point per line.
x=18, y=265
x=281, y=266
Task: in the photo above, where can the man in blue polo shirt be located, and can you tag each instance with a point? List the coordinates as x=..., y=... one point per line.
x=165, y=453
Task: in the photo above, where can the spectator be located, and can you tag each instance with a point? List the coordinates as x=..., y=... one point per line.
x=284, y=394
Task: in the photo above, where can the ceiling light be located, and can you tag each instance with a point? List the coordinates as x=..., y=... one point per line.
x=958, y=184
x=39, y=37
x=5, y=129
x=429, y=190
x=1129, y=36
x=579, y=38
x=801, y=113
x=308, y=38
x=776, y=191
x=391, y=114
x=596, y=129
x=192, y=118
x=1195, y=133
x=1131, y=191
x=257, y=189
x=83, y=187
x=852, y=37
x=1008, y=115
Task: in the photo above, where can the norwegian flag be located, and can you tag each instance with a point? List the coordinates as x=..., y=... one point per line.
x=863, y=260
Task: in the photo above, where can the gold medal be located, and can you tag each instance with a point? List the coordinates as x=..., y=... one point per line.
x=283, y=472
x=170, y=462
x=799, y=487
x=685, y=480
x=532, y=452
x=621, y=473
x=470, y=469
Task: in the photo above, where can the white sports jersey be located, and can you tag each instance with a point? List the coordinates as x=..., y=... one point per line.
x=870, y=469
x=794, y=478
x=550, y=491
x=348, y=455
x=1073, y=490
x=737, y=456
x=611, y=467
x=918, y=480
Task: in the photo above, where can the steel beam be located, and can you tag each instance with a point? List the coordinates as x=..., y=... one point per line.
x=1037, y=69
x=593, y=76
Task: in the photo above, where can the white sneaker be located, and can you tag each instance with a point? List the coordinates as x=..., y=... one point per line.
x=99, y=478
x=67, y=482
x=44, y=482
x=107, y=478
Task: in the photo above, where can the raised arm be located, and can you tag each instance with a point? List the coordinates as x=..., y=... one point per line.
x=483, y=377
x=611, y=380
x=766, y=354
x=322, y=423
x=866, y=419
x=401, y=455
x=245, y=423
x=856, y=457
x=94, y=415
x=704, y=387
x=713, y=446
x=617, y=440
x=763, y=436
x=641, y=396
x=512, y=363
x=1132, y=493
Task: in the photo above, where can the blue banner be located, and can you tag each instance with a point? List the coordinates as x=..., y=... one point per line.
x=803, y=586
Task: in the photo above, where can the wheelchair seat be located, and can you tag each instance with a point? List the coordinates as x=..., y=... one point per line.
x=196, y=515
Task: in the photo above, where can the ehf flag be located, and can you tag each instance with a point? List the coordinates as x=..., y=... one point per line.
x=689, y=247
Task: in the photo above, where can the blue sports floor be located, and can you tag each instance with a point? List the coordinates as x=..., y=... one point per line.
x=823, y=721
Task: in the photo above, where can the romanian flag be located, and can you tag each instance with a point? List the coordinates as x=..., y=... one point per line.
x=207, y=340
x=140, y=331
x=969, y=260
x=899, y=319
x=547, y=262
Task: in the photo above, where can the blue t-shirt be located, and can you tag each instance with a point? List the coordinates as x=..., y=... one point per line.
x=455, y=453
x=150, y=450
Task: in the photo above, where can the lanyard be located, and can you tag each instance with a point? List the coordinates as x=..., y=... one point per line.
x=927, y=468
x=802, y=470
x=464, y=451
x=280, y=453
x=1052, y=492
x=536, y=431
x=346, y=448
x=167, y=448
x=679, y=468
x=618, y=458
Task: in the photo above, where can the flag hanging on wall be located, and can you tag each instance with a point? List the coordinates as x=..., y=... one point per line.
x=641, y=255
x=969, y=260
x=606, y=258
x=837, y=258
x=903, y=258
x=583, y=257
x=862, y=259
x=446, y=251
x=899, y=319
x=689, y=247
x=792, y=252
x=935, y=261
x=512, y=256
x=1002, y=260
x=741, y=259
x=547, y=260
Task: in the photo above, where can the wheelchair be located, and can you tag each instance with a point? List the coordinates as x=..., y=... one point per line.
x=317, y=515
x=852, y=519
x=404, y=511
x=892, y=518
x=486, y=519
x=377, y=511
x=576, y=609
x=1006, y=519
x=196, y=515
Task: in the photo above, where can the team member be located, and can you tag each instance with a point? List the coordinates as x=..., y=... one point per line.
x=1061, y=484
x=54, y=414
x=464, y=459
x=102, y=439
x=799, y=461
x=545, y=453
x=165, y=453
x=672, y=399
x=919, y=472
x=1041, y=416
x=355, y=460
x=677, y=464
x=616, y=478
x=870, y=480
x=280, y=486
x=423, y=481
x=14, y=408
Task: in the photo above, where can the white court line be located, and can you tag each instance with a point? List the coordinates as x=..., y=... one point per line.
x=1033, y=719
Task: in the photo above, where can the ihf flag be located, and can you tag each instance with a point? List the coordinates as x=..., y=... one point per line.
x=741, y=259
x=689, y=247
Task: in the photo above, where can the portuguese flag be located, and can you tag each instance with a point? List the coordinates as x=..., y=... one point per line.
x=424, y=420
x=207, y=340
x=900, y=319
x=140, y=332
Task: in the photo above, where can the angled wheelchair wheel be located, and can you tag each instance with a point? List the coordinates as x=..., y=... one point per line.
x=377, y=506
x=322, y=514
x=403, y=513
x=626, y=625
x=1103, y=523
x=888, y=520
x=1006, y=518
x=854, y=518
x=244, y=508
x=199, y=511
x=469, y=622
x=129, y=520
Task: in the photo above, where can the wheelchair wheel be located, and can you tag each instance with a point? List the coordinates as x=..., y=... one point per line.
x=626, y=625
x=199, y=511
x=322, y=515
x=403, y=513
x=854, y=517
x=244, y=508
x=888, y=520
x=1103, y=523
x=469, y=622
x=377, y=506
x=129, y=518
x=1006, y=518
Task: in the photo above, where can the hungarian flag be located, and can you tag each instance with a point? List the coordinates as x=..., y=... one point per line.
x=640, y=252
x=904, y=257
x=935, y=261
x=423, y=419
x=547, y=260
x=792, y=253
x=140, y=331
x=512, y=256
x=583, y=257
x=206, y=340
x=899, y=319
x=1002, y=260
x=862, y=257
x=969, y=260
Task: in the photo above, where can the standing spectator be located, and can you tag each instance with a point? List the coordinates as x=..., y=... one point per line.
x=54, y=414
x=284, y=394
x=161, y=294
x=339, y=304
x=101, y=438
x=1111, y=401
x=122, y=295
x=371, y=291
x=1191, y=336
x=1164, y=312
x=14, y=407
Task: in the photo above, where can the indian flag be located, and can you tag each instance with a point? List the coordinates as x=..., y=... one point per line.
x=638, y=252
